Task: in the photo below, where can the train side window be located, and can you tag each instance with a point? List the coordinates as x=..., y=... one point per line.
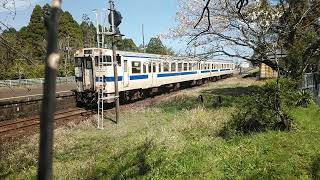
x=165, y=67
x=185, y=66
x=106, y=61
x=179, y=67
x=173, y=67
x=159, y=65
x=154, y=67
x=136, y=67
x=144, y=68
x=190, y=67
x=125, y=66
x=149, y=67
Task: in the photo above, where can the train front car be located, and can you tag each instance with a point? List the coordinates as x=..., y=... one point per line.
x=84, y=74
x=94, y=73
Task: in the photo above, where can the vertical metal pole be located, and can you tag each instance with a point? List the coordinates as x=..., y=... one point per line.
x=68, y=55
x=103, y=31
x=98, y=38
x=99, y=109
x=49, y=99
x=143, y=45
x=115, y=64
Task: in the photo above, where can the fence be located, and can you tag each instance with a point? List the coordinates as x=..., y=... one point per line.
x=33, y=82
x=311, y=82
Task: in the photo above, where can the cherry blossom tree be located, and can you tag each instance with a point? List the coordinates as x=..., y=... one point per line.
x=219, y=28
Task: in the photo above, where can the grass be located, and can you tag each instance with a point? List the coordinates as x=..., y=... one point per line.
x=177, y=138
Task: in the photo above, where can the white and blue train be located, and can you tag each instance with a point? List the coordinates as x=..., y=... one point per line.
x=140, y=74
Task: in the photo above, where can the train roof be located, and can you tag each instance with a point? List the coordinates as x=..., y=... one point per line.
x=158, y=56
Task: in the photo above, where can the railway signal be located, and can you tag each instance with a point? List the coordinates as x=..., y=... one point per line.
x=115, y=20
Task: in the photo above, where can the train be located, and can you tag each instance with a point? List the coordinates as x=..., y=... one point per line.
x=140, y=74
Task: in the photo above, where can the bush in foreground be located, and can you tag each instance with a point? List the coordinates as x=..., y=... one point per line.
x=267, y=109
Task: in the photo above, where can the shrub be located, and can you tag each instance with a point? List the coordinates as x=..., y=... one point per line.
x=259, y=112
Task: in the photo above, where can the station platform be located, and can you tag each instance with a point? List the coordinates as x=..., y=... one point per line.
x=15, y=93
x=26, y=102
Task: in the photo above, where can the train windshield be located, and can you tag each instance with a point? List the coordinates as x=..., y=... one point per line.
x=84, y=61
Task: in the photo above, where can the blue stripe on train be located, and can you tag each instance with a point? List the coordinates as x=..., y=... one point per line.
x=108, y=79
x=206, y=71
x=138, y=77
x=176, y=74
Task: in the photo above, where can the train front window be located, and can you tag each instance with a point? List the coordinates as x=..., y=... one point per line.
x=79, y=62
x=89, y=64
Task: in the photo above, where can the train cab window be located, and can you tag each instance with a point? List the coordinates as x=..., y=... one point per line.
x=144, y=68
x=136, y=67
x=119, y=59
x=179, y=67
x=173, y=67
x=185, y=66
x=165, y=67
x=89, y=64
x=79, y=62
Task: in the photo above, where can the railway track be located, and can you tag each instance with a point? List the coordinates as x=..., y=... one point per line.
x=18, y=127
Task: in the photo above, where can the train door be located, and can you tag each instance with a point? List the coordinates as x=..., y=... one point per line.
x=88, y=80
x=79, y=74
x=153, y=72
x=125, y=73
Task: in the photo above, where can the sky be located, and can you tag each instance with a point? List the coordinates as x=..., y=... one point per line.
x=156, y=15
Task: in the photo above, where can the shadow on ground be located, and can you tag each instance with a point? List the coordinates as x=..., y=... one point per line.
x=130, y=164
x=237, y=91
x=214, y=98
x=315, y=168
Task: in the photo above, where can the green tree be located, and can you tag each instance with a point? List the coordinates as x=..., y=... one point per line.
x=155, y=46
x=35, y=34
x=88, y=32
x=127, y=45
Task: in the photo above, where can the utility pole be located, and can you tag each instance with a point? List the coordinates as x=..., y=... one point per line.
x=115, y=63
x=49, y=96
x=68, y=55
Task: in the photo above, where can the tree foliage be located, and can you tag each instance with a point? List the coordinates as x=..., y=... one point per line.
x=155, y=46
x=262, y=28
